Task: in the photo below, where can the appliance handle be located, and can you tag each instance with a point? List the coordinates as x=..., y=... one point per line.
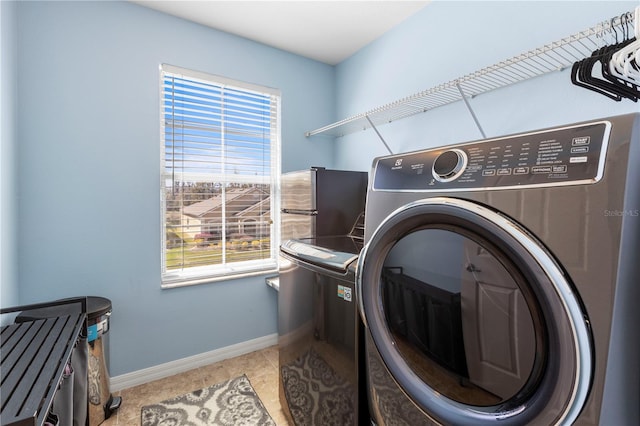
x=301, y=212
x=358, y=284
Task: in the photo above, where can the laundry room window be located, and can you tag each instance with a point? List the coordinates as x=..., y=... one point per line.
x=220, y=143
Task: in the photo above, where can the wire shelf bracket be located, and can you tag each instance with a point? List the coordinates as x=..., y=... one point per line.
x=473, y=115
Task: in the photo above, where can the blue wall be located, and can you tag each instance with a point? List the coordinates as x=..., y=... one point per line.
x=89, y=164
x=83, y=196
x=8, y=142
x=449, y=39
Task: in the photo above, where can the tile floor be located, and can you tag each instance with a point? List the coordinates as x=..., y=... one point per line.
x=261, y=367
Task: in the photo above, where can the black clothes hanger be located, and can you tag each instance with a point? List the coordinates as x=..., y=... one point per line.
x=605, y=83
x=582, y=76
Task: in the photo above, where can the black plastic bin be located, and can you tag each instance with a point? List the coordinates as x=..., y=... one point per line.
x=101, y=403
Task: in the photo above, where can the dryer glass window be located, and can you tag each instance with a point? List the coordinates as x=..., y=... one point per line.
x=457, y=310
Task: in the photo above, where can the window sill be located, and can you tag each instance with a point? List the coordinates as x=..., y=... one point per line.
x=184, y=281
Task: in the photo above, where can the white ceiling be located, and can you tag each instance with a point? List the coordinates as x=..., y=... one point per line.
x=328, y=31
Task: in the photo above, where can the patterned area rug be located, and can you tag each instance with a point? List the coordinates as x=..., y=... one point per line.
x=316, y=394
x=232, y=403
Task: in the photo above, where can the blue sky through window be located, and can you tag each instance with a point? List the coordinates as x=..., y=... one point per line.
x=216, y=130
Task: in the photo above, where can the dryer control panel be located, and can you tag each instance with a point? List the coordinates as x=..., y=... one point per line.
x=564, y=156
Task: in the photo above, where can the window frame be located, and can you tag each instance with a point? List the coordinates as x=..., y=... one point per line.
x=231, y=270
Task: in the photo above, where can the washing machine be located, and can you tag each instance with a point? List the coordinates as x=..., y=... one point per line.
x=500, y=280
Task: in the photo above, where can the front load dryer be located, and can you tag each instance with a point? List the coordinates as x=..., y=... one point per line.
x=499, y=282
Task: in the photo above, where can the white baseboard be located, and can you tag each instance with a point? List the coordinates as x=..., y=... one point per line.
x=161, y=371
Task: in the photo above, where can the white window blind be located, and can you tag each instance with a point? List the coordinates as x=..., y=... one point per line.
x=220, y=165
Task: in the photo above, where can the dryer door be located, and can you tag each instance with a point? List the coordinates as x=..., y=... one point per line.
x=473, y=318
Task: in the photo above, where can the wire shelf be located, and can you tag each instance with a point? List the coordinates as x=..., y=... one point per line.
x=551, y=57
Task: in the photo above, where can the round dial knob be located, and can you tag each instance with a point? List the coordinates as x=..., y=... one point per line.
x=449, y=165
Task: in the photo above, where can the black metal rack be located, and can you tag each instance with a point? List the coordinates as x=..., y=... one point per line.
x=33, y=357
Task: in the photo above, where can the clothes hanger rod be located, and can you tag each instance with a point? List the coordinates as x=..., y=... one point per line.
x=464, y=98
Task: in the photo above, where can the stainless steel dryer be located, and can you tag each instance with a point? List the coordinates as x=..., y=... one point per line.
x=499, y=282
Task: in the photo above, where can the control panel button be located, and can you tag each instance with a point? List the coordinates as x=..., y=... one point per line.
x=583, y=140
x=449, y=165
x=541, y=169
x=579, y=149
